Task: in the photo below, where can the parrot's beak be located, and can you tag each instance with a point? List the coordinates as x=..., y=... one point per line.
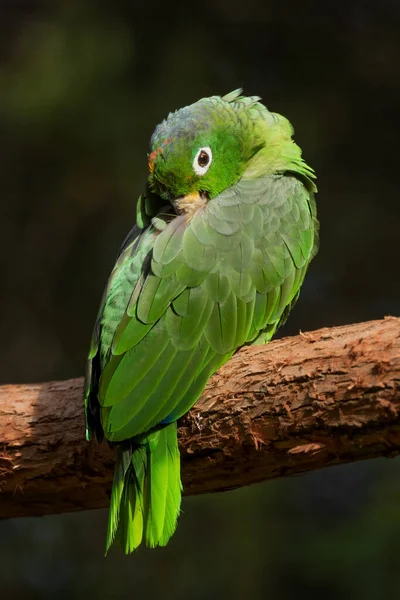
x=190, y=203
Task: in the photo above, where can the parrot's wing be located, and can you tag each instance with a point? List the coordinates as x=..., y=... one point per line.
x=93, y=366
x=206, y=287
x=159, y=350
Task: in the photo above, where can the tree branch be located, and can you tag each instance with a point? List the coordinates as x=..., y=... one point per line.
x=321, y=398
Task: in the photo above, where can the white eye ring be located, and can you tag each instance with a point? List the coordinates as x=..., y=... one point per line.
x=200, y=163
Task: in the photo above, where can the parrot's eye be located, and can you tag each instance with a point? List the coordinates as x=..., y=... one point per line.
x=202, y=161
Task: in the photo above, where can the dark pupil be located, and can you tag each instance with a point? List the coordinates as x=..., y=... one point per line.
x=203, y=159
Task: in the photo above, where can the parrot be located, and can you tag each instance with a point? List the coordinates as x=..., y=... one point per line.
x=225, y=230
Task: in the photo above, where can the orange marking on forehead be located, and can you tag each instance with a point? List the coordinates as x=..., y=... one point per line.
x=153, y=155
x=159, y=149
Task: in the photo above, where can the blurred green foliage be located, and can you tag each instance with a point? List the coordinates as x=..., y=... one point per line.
x=82, y=86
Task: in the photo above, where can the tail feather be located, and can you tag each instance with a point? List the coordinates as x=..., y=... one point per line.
x=174, y=494
x=146, y=494
x=157, y=485
x=122, y=469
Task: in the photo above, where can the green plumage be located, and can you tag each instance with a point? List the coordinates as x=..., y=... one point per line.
x=215, y=261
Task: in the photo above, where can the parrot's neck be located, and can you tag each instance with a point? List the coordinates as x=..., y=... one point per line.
x=278, y=152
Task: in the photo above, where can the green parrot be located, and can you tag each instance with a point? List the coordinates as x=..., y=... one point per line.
x=225, y=231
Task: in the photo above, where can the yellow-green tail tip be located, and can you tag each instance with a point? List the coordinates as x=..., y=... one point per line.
x=146, y=493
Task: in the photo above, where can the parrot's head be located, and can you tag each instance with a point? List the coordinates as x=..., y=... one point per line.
x=205, y=148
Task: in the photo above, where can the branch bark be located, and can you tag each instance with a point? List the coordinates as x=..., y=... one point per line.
x=321, y=398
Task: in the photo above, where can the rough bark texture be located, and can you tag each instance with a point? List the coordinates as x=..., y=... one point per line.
x=321, y=398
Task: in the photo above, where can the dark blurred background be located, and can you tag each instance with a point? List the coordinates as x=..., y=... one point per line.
x=82, y=85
